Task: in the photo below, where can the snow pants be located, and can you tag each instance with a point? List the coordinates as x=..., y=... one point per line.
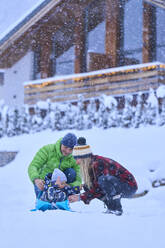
x=114, y=190
x=112, y=186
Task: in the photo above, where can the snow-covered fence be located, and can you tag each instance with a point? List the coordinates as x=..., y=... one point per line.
x=114, y=81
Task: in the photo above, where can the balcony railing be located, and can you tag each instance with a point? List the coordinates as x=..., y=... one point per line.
x=115, y=81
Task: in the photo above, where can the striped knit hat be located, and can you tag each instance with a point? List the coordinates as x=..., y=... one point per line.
x=81, y=150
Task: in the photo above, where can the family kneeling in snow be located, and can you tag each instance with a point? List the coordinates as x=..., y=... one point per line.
x=56, y=173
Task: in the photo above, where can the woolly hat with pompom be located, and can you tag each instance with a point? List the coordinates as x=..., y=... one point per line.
x=81, y=150
x=69, y=140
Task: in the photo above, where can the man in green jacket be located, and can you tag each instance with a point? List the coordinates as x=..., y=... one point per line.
x=52, y=156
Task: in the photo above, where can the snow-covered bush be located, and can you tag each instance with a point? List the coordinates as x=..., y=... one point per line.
x=138, y=115
x=151, y=109
x=128, y=112
x=102, y=112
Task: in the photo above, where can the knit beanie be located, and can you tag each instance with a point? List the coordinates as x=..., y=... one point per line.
x=58, y=173
x=81, y=150
x=69, y=140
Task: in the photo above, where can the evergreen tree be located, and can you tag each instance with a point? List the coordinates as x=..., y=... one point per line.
x=127, y=114
x=113, y=114
x=17, y=121
x=14, y=120
x=161, y=120
x=25, y=126
x=36, y=120
x=46, y=115
x=52, y=116
x=10, y=123
x=57, y=118
x=71, y=114
x=92, y=114
x=102, y=113
x=79, y=121
x=150, y=112
x=137, y=120
x=1, y=126
x=64, y=116
x=4, y=118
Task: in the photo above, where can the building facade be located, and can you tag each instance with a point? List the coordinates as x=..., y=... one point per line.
x=64, y=37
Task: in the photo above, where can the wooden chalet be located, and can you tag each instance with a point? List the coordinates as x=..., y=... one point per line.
x=81, y=36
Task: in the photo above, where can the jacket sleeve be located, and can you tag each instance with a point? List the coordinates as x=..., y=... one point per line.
x=90, y=194
x=78, y=180
x=37, y=163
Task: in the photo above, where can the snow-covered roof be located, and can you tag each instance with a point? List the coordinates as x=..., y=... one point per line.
x=158, y=3
x=15, y=15
x=25, y=19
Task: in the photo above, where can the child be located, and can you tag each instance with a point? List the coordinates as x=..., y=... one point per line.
x=56, y=189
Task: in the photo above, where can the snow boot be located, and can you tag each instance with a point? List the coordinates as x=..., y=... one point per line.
x=113, y=204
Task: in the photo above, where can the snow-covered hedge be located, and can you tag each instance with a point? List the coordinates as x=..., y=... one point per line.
x=103, y=113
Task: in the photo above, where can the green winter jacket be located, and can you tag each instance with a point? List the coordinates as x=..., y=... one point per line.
x=50, y=157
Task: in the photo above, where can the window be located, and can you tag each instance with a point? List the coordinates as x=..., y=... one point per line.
x=65, y=63
x=160, y=47
x=1, y=78
x=36, y=63
x=96, y=39
x=96, y=27
x=133, y=24
x=63, y=54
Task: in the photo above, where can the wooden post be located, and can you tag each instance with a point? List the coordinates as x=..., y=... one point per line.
x=45, y=54
x=80, y=40
x=113, y=31
x=149, y=33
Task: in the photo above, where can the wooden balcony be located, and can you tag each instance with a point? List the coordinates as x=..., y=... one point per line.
x=115, y=81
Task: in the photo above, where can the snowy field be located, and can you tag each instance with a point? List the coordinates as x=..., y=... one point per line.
x=141, y=225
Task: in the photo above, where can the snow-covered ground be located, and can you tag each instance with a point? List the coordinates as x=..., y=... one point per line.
x=141, y=225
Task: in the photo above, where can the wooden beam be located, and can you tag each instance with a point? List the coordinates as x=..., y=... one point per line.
x=98, y=61
x=80, y=40
x=112, y=37
x=45, y=55
x=149, y=33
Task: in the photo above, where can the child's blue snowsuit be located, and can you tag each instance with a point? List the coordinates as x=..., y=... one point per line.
x=53, y=194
